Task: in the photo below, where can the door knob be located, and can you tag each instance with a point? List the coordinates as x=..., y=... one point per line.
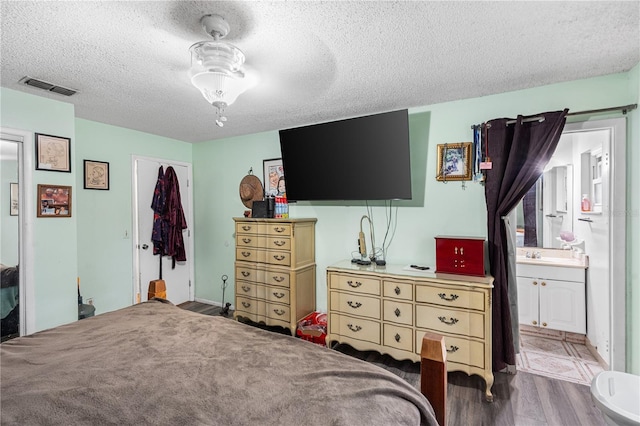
x=145, y=246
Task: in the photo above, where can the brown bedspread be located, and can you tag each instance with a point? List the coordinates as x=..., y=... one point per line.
x=154, y=363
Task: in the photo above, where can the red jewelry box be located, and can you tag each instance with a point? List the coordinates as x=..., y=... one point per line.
x=460, y=255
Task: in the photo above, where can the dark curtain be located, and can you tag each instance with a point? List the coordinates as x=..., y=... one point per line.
x=518, y=153
x=530, y=218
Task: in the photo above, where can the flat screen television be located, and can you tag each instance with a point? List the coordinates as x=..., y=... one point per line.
x=363, y=158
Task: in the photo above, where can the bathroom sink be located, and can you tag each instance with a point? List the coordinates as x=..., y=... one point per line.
x=552, y=257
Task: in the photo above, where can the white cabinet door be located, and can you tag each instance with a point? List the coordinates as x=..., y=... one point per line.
x=528, y=300
x=562, y=305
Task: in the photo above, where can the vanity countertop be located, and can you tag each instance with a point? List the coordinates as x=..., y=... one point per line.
x=552, y=257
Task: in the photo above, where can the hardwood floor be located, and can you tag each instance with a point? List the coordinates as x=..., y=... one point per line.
x=520, y=399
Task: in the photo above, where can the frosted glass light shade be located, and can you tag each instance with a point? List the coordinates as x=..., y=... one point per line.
x=216, y=70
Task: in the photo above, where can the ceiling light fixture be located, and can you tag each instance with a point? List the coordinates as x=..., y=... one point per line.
x=216, y=67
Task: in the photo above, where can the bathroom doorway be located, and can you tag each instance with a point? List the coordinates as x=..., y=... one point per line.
x=590, y=162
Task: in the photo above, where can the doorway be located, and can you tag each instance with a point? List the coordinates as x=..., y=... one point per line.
x=178, y=279
x=590, y=163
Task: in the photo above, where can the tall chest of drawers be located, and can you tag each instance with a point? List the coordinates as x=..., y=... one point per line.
x=389, y=309
x=275, y=270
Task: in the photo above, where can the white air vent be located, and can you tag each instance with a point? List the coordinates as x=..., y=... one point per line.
x=33, y=82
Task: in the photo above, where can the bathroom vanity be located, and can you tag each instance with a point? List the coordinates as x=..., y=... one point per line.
x=551, y=289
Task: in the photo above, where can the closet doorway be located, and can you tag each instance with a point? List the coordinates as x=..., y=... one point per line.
x=146, y=266
x=18, y=215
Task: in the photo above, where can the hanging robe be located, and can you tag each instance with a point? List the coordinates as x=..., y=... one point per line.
x=176, y=221
x=159, y=233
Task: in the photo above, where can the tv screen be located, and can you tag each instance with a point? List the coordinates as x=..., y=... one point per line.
x=364, y=158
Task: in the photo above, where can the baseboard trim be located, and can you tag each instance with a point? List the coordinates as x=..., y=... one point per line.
x=211, y=302
x=595, y=353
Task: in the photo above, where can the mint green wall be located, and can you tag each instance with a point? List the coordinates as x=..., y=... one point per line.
x=105, y=256
x=633, y=228
x=54, y=246
x=451, y=208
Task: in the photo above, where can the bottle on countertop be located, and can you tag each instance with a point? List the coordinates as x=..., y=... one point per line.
x=585, y=204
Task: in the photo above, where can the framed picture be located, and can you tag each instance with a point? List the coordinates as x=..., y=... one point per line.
x=53, y=153
x=454, y=161
x=274, y=183
x=96, y=175
x=54, y=201
x=13, y=192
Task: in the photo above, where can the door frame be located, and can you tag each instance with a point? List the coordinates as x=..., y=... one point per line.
x=137, y=285
x=617, y=232
x=26, y=223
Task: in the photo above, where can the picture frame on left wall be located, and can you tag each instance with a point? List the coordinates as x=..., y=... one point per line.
x=53, y=153
x=54, y=201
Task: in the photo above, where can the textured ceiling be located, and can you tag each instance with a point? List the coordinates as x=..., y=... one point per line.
x=317, y=61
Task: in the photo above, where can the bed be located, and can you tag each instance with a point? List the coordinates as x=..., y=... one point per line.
x=155, y=363
x=9, y=300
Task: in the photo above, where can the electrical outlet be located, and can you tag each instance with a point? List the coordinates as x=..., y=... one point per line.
x=89, y=300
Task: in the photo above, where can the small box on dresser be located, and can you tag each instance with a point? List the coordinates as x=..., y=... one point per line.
x=275, y=270
x=460, y=255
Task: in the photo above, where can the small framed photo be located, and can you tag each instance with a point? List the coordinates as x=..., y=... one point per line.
x=454, y=161
x=13, y=192
x=53, y=153
x=96, y=175
x=54, y=201
x=274, y=183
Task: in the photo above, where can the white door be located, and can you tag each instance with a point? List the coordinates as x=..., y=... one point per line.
x=178, y=280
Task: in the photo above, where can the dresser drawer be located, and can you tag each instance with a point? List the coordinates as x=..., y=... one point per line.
x=250, y=306
x=247, y=289
x=249, y=254
x=275, y=277
x=450, y=321
x=460, y=350
x=354, y=284
x=248, y=240
x=275, y=229
x=355, y=328
x=460, y=255
x=279, y=312
x=282, y=258
x=398, y=290
x=398, y=337
x=397, y=312
x=247, y=228
x=279, y=243
x=451, y=296
x=276, y=294
x=355, y=304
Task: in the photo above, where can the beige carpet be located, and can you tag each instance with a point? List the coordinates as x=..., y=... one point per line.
x=558, y=359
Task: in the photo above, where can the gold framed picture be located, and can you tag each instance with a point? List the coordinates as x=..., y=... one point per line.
x=54, y=201
x=454, y=161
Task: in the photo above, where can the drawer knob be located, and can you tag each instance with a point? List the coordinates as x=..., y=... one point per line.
x=246, y=288
x=354, y=328
x=453, y=349
x=245, y=274
x=278, y=257
x=461, y=251
x=397, y=290
x=544, y=324
x=450, y=321
x=279, y=312
x=246, y=253
x=535, y=283
x=278, y=295
x=397, y=312
x=354, y=305
x=279, y=229
x=543, y=283
x=354, y=284
x=246, y=240
x=449, y=298
x=534, y=322
x=397, y=337
x=455, y=250
x=279, y=243
x=278, y=279
x=246, y=304
x=246, y=228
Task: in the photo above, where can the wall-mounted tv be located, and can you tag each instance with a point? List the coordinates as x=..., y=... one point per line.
x=363, y=158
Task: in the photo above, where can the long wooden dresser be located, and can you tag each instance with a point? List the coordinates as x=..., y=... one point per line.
x=388, y=309
x=275, y=270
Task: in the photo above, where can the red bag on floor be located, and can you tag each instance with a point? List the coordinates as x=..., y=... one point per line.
x=313, y=328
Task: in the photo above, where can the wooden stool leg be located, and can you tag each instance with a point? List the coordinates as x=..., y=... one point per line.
x=433, y=374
